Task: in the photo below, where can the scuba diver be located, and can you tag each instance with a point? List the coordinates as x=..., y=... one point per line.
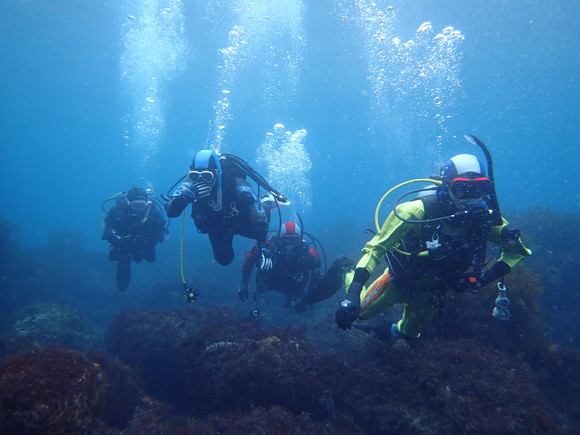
x=223, y=203
x=295, y=270
x=133, y=226
x=433, y=244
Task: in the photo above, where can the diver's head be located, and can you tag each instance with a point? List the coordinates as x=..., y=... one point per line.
x=204, y=168
x=290, y=237
x=464, y=177
x=137, y=198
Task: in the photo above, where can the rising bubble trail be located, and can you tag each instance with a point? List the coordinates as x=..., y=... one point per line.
x=267, y=44
x=288, y=165
x=414, y=82
x=154, y=53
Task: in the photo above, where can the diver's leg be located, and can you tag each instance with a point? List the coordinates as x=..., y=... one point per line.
x=417, y=315
x=330, y=283
x=221, y=243
x=136, y=252
x=381, y=295
x=116, y=253
x=123, y=274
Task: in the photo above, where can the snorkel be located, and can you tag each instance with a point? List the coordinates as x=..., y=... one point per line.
x=496, y=218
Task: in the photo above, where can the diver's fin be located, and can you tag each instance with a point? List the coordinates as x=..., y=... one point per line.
x=380, y=331
x=123, y=275
x=331, y=282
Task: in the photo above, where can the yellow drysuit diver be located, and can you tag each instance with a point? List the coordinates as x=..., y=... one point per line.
x=433, y=245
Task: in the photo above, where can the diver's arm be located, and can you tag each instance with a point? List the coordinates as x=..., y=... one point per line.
x=108, y=235
x=175, y=206
x=313, y=258
x=361, y=275
x=157, y=225
x=180, y=198
x=112, y=219
x=252, y=258
x=392, y=231
x=107, y=232
x=249, y=263
x=512, y=248
x=512, y=252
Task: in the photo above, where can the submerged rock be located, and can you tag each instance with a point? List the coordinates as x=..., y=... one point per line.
x=43, y=324
x=216, y=367
x=55, y=390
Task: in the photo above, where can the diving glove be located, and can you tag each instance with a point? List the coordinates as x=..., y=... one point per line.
x=349, y=308
x=199, y=190
x=193, y=192
x=265, y=260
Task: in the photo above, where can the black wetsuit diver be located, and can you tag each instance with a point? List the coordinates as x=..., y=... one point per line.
x=223, y=203
x=133, y=226
x=295, y=270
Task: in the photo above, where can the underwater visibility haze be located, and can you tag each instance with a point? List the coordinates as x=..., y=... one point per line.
x=334, y=102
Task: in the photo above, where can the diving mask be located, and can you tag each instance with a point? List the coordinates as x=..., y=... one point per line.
x=206, y=177
x=469, y=188
x=138, y=205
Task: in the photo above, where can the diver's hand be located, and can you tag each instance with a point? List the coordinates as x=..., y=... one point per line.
x=183, y=191
x=192, y=192
x=243, y=293
x=120, y=241
x=349, y=308
x=346, y=314
x=201, y=190
x=265, y=260
x=197, y=191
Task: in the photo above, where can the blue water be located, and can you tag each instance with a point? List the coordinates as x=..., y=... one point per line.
x=64, y=104
x=96, y=96
x=333, y=101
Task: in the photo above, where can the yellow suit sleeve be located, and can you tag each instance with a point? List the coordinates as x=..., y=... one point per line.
x=512, y=252
x=392, y=231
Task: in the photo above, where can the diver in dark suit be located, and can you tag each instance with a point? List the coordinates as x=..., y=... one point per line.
x=133, y=226
x=223, y=203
